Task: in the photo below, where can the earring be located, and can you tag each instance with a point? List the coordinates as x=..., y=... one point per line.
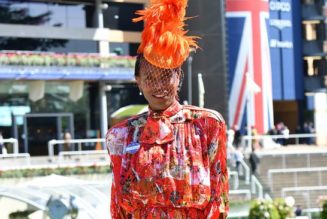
x=140, y=93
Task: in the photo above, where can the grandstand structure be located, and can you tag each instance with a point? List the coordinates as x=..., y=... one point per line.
x=298, y=171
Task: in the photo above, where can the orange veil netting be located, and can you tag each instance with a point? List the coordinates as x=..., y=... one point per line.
x=164, y=41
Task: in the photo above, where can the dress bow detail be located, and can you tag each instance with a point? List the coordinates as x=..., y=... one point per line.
x=158, y=128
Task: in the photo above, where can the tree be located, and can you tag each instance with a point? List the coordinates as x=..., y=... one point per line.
x=21, y=16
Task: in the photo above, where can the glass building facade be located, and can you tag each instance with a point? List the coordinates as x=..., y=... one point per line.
x=15, y=101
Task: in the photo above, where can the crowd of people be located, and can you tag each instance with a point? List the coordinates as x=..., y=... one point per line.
x=236, y=147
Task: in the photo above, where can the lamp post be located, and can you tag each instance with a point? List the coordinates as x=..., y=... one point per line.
x=104, y=51
x=201, y=90
x=189, y=79
x=251, y=89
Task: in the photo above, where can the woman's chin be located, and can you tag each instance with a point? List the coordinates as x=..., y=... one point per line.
x=161, y=103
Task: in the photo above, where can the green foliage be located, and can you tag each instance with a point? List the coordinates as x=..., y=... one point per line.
x=284, y=210
x=78, y=170
x=323, y=214
x=276, y=209
x=263, y=209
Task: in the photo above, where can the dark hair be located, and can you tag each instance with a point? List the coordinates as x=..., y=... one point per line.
x=137, y=69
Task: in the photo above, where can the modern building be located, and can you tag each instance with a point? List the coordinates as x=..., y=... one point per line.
x=293, y=38
x=57, y=72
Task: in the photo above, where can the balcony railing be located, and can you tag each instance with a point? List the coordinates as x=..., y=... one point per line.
x=22, y=58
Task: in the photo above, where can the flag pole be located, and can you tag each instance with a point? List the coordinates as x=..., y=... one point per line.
x=251, y=88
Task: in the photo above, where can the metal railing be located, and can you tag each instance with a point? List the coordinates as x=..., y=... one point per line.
x=296, y=171
x=256, y=187
x=13, y=141
x=79, y=142
x=81, y=154
x=269, y=140
x=26, y=156
x=247, y=171
x=307, y=194
x=236, y=181
x=304, y=188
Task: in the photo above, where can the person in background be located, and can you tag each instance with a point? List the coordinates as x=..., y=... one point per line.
x=298, y=211
x=254, y=134
x=1, y=143
x=237, y=136
x=254, y=160
x=238, y=157
x=67, y=138
x=299, y=131
x=171, y=161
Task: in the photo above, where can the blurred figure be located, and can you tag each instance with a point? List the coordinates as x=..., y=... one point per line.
x=273, y=131
x=237, y=136
x=230, y=147
x=254, y=161
x=238, y=157
x=282, y=129
x=1, y=143
x=286, y=132
x=67, y=138
x=298, y=211
x=254, y=133
x=299, y=130
x=308, y=129
x=311, y=131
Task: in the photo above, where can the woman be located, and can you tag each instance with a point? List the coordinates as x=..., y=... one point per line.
x=171, y=161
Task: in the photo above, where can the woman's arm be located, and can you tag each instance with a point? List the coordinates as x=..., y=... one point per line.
x=218, y=205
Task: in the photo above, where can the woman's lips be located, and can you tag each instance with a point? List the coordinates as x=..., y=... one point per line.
x=161, y=95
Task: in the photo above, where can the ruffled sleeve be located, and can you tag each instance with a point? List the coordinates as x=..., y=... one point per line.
x=115, y=140
x=218, y=205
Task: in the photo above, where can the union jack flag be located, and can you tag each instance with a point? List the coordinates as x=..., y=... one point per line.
x=248, y=54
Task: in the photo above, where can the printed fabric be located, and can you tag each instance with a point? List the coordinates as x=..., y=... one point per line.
x=169, y=165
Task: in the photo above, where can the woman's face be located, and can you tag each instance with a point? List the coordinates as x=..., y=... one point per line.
x=158, y=85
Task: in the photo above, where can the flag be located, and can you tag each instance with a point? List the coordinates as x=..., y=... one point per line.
x=251, y=86
x=248, y=52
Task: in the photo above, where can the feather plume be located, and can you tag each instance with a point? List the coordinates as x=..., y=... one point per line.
x=164, y=41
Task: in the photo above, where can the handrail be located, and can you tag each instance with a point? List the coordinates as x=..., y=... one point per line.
x=274, y=137
x=246, y=137
x=302, y=169
x=236, y=181
x=294, y=170
x=13, y=141
x=298, y=152
x=53, y=142
x=302, y=188
x=255, y=182
x=62, y=154
x=247, y=171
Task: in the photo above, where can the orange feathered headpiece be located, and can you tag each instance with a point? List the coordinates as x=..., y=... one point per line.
x=164, y=41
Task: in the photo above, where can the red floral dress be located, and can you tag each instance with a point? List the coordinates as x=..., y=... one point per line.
x=170, y=164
